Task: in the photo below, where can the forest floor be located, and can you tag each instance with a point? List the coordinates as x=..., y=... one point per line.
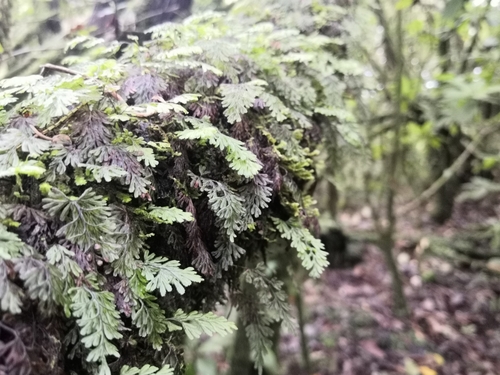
x=454, y=327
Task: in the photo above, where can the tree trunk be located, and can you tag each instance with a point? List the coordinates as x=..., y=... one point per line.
x=241, y=364
x=440, y=159
x=387, y=245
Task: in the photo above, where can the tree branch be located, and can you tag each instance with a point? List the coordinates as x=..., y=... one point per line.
x=62, y=69
x=449, y=172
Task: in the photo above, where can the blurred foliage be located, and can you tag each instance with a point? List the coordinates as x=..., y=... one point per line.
x=450, y=91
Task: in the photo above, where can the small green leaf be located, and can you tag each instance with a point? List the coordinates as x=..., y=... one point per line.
x=403, y=4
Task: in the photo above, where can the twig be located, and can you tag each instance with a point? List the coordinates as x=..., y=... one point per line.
x=449, y=172
x=62, y=69
x=475, y=39
x=63, y=119
x=39, y=134
x=26, y=51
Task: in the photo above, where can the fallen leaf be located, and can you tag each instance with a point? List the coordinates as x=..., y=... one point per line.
x=371, y=347
x=494, y=265
x=424, y=370
x=411, y=367
x=438, y=358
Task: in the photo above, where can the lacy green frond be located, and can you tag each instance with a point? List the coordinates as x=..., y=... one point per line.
x=10, y=294
x=146, y=370
x=270, y=292
x=41, y=280
x=150, y=319
x=238, y=98
x=103, y=172
x=224, y=202
x=27, y=168
x=10, y=244
x=309, y=249
x=63, y=259
x=162, y=274
x=227, y=252
x=278, y=109
x=260, y=335
x=195, y=324
x=98, y=320
x=88, y=220
x=240, y=159
x=165, y=215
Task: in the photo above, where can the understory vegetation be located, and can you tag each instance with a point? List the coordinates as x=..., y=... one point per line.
x=140, y=192
x=249, y=187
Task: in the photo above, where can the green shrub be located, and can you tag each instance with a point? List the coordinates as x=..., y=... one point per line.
x=137, y=191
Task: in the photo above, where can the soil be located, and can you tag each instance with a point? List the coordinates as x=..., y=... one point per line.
x=454, y=327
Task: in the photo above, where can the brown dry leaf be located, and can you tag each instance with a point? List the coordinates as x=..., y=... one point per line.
x=371, y=347
x=443, y=329
x=494, y=265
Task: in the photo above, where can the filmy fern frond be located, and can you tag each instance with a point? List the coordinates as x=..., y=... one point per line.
x=165, y=215
x=146, y=370
x=99, y=322
x=10, y=244
x=237, y=98
x=309, y=249
x=10, y=293
x=38, y=277
x=224, y=202
x=240, y=159
x=162, y=274
x=88, y=219
x=196, y=323
x=104, y=172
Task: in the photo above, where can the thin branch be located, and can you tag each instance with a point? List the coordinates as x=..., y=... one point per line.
x=62, y=69
x=27, y=51
x=475, y=39
x=381, y=72
x=398, y=123
x=391, y=46
x=449, y=172
x=39, y=134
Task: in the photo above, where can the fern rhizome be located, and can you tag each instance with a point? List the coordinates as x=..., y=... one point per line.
x=140, y=192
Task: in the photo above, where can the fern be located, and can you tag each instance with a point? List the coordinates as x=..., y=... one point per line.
x=88, y=220
x=122, y=214
x=162, y=274
x=278, y=109
x=195, y=324
x=41, y=280
x=10, y=244
x=151, y=321
x=10, y=293
x=226, y=204
x=227, y=252
x=99, y=323
x=242, y=161
x=63, y=259
x=146, y=370
x=237, y=98
x=269, y=305
x=106, y=173
x=259, y=335
x=309, y=249
x=165, y=215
